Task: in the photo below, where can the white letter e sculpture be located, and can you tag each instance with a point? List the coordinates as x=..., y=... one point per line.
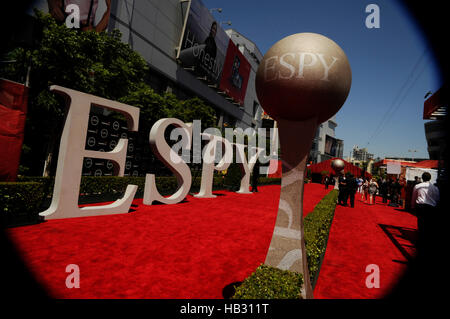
x=72, y=150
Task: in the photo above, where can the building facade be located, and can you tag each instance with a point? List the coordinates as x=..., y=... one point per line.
x=435, y=111
x=325, y=145
x=188, y=54
x=360, y=154
x=156, y=28
x=361, y=158
x=169, y=35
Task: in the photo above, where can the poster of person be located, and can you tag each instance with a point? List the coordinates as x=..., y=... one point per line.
x=235, y=74
x=204, y=44
x=93, y=14
x=330, y=145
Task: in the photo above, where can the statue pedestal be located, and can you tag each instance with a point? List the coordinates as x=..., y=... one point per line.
x=287, y=248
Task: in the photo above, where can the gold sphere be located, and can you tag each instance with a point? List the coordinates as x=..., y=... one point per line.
x=337, y=165
x=303, y=76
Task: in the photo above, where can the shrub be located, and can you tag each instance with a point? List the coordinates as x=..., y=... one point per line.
x=308, y=173
x=273, y=283
x=269, y=181
x=116, y=184
x=317, y=226
x=20, y=202
x=233, y=177
x=269, y=283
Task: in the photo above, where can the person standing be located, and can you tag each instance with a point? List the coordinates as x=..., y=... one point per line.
x=352, y=187
x=424, y=201
x=326, y=181
x=389, y=190
x=332, y=180
x=395, y=193
x=255, y=177
x=365, y=193
x=416, y=181
x=383, y=190
x=342, y=197
x=373, y=187
x=403, y=192
x=360, y=182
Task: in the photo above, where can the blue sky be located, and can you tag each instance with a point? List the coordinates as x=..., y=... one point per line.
x=393, y=67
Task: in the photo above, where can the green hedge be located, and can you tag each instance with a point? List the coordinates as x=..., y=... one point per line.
x=270, y=283
x=108, y=184
x=233, y=177
x=20, y=201
x=269, y=181
x=23, y=199
x=317, y=226
x=114, y=184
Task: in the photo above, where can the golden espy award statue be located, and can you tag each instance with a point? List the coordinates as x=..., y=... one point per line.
x=302, y=81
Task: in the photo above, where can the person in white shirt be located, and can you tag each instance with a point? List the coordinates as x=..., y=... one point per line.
x=360, y=182
x=424, y=200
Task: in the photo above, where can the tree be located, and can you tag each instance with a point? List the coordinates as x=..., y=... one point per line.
x=153, y=106
x=193, y=109
x=91, y=62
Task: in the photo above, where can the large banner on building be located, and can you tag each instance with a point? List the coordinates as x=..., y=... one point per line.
x=207, y=51
x=236, y=71
x=331, y=145
x=93, y=14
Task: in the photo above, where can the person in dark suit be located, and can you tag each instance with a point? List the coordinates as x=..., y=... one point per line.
x=342, y=197
x=389, y=190
x=383, y=190
x=326, y=181
x=211, y=47
x=395, y=194
x=255, y=177
x=352, y=187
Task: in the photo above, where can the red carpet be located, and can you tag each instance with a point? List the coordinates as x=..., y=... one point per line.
x=189, y=250
x=367, y=234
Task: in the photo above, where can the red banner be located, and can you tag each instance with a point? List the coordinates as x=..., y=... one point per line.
x=349, y=167
x=13, y=110
x=235, y=74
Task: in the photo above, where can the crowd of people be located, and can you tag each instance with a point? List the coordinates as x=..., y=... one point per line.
x=392, y=190
x=421, y=198
x=424, y=195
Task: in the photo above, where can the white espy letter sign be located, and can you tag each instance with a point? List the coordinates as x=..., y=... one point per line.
x=171, y=159
x=72, y=150
x=208, y=167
